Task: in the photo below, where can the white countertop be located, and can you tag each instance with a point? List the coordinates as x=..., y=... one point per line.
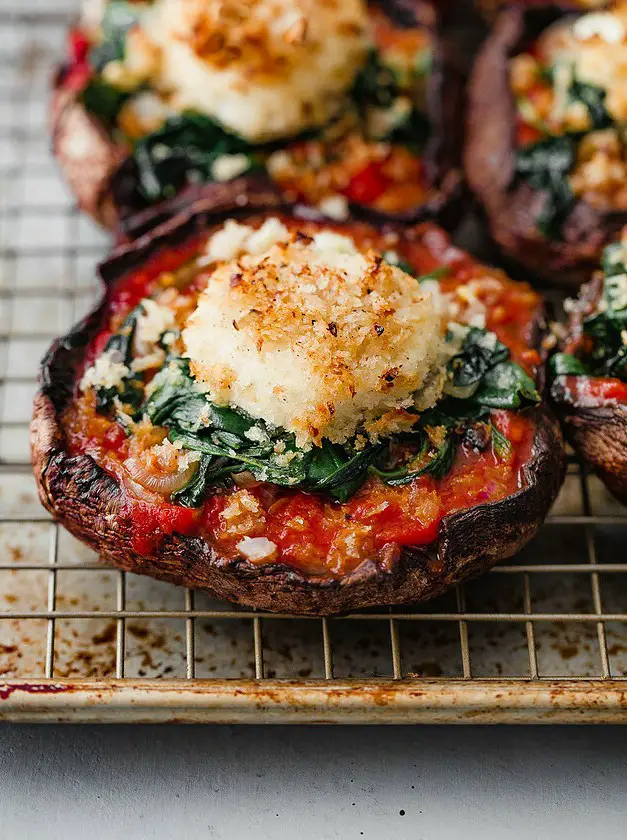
x=424, y=783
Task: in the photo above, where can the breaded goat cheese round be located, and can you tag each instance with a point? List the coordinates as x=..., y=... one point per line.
x=264, y=69
x=313, y=335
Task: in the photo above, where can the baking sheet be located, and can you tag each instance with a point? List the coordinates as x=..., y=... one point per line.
x=68, y=621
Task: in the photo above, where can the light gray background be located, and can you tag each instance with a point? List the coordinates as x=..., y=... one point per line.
x=299, y=783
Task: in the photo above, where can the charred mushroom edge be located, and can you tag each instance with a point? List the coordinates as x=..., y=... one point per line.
x=88, y=501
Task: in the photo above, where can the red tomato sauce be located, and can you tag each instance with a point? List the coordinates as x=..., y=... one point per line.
x=597, y=390
x=313, y=533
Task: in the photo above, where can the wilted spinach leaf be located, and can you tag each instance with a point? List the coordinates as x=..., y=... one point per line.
x=593, y=98
x=506, y=385
x=194, y=492
x=230, y=441
x=413, y=132
x=103, y=101
x=501, y=444
x=130, y=392
x=438, y=465
x=183, y=151
x=375, y=86
x=119, y=17
x=607, y=355
x=545, y=165
x=337, y=471
x=480, y=351
x=564, y=364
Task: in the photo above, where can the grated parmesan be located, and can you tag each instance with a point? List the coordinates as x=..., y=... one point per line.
x=106, y=372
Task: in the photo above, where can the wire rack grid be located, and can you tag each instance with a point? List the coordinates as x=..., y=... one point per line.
x=543, y=636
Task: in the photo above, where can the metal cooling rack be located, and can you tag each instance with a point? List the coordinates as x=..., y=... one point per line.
x=541, y=637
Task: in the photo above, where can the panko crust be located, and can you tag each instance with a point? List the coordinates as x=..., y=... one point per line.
x=103, y=178
x=511, y=209
x=89, y=502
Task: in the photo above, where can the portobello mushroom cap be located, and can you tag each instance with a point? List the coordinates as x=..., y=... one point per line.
x=104, y=178
x=89, y=502
x=512, y=206
x=598, y=432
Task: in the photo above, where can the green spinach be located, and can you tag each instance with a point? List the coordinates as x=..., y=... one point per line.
x=230, y=441
x=237, y=442
x=606, y=327
x=437, y=466
x=194, y=492
x=480, y=351
x=593, y=98
x=130, y=392
x=119, y=17
x=565, y=364
x=545, y=166
x=103, y=101
x=506, y=385
x=183, y=151
x=501, y=444
x=336, y=470
x=413, y=132
x=482, y=375
x=375, y=86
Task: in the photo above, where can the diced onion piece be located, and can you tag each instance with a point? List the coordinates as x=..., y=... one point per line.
x=460, y=392
x=156, y=482
x=245, y=479
x=257, y=549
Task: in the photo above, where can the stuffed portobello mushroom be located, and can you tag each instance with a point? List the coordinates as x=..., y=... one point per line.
x=589, y=374
x=299, y=416
x=343, y=105
x=546, y=151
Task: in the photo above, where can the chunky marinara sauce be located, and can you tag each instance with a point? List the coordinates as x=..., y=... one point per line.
x=313, y=533
x=594, y=390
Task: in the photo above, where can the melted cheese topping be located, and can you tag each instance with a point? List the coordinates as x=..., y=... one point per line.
x=315, y=336
x=262, y=68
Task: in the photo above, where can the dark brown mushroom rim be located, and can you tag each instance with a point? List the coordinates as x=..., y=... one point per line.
x=91, y=503
x=135, y=190
x=589, y=375
x=514, y=207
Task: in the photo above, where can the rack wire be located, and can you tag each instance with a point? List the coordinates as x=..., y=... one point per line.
x=554, y=616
